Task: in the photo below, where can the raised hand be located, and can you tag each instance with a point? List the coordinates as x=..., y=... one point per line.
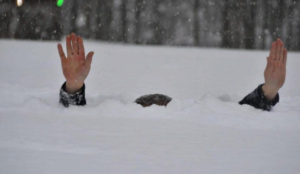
x=275, y=71
x=76, y=66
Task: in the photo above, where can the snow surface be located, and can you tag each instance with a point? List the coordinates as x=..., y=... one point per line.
x=203, y=130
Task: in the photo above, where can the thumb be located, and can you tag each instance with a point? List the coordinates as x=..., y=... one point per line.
x=89, y=58
x=61, y=52
x=268, y=62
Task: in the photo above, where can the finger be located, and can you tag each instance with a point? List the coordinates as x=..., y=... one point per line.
x=89, y=59
x=284, y=60
x=74, y=44
x=270, y=63
x=278, y=65
x=81, y=46
x=69, y=47
x=278, y=43
x=281, y=42
x=61, y=52
x=281, y=51
x=273, y=50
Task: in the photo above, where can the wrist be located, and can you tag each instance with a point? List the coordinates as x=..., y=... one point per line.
x=73, y=87
x=269, y=92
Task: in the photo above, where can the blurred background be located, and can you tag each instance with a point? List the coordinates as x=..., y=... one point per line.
x=245, y=24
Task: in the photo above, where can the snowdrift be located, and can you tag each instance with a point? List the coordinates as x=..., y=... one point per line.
x=203, y=129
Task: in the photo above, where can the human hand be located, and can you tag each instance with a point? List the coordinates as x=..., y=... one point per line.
x=76, y=66
x=275, y=71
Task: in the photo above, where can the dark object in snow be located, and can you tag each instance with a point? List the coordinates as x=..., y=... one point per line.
x=158, y=99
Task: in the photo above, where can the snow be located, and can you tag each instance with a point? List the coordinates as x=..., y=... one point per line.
x=203, y=130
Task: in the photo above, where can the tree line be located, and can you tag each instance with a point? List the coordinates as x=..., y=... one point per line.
x=247, y=24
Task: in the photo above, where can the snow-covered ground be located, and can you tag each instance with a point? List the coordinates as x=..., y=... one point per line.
x=203, y=130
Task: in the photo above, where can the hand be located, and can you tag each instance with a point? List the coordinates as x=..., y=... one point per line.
x=276, y=70
x=76, y=66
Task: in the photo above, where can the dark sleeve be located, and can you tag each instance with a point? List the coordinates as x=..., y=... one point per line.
x=258, y=100
x=77, y=99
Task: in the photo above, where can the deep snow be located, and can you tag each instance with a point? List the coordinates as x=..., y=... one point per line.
x=203, y=130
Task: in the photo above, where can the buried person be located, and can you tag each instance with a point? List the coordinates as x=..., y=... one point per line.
x=76, y=66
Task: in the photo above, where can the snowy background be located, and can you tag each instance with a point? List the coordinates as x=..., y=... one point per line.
x=250, y=24
x=203, y=130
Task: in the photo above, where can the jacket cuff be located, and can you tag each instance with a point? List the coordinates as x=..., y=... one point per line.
x=77, y=99
x=258, y=99
x=264, y=99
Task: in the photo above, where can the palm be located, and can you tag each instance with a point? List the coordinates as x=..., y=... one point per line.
x=76, y=66
x=74, y=69
x=274, y=77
